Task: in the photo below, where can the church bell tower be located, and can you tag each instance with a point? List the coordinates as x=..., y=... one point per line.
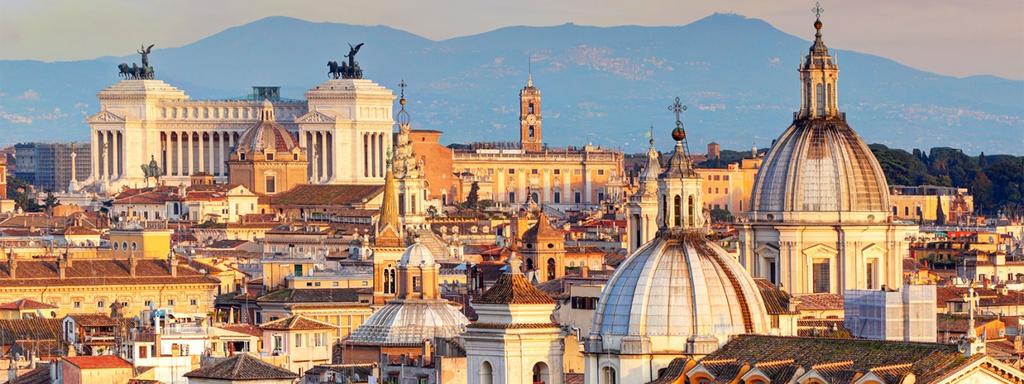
x=529, y=117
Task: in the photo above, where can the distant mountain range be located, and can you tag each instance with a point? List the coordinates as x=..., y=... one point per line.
x=601, y=85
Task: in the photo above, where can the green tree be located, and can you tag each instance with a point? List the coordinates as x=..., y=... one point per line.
x=50, y=201
x=719, y=215
x=981, y=188
x=474, y=195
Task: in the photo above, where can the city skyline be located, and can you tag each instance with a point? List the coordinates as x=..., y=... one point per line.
x=918, y=34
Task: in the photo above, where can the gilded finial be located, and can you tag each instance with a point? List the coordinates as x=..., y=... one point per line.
x=677, y=108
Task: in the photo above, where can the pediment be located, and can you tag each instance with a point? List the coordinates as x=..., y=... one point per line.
x=315, y=117
x=873, y=250
x=106, y=116
x=767, y=250
x=820, y=251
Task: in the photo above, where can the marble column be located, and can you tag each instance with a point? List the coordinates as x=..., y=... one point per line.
x=213, y=156
x=223, y=161
x=177, y=154
x=94, y=154
x=202, y=154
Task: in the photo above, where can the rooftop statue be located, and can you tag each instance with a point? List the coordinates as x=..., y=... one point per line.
x=348, y=70
x=134, y=71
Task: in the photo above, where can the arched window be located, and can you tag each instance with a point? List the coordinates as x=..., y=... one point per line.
x=608, y=375
x=541, y=374
x=529, y=264
x=819, y=106
x=530, y=109
x=551, y=269
x=690, y=211
x=486, y=373
x=677, y=211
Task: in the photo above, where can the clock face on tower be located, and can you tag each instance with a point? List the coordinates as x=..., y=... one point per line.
x=531, y=119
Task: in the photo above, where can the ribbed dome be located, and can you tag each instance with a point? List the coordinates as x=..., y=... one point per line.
x=409, y=323
x=677, y=287
x=267, y=134
x=417, y=255
x=819, y=170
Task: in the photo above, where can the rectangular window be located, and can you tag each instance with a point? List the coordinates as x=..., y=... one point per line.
x=771, y=272
x=600, y=172
x=170, y=302
x=100, y=304
x=869, y=275
x=278, y=343
x=511, y=171
x=577, y=197
x=558, y=171
x=193, y=302
x=271, y=184
x=318, y=339
x=78, y=304
x=726, y=177
x=511, y=197
x=821, y=276
x=270, y=157
x=417, y=284
x=298, y=340
x=533, y=171
x=600, y=196
x=558, y=197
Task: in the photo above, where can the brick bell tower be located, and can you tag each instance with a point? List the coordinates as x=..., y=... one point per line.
x=529, y=117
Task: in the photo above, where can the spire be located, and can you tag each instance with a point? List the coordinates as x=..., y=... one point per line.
x=529, y=71
x=679, y=164
x=389, y=226
x=819, y=75
x=653, y=166
x=403, y=116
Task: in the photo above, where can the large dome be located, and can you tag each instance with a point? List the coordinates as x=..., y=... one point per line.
x=409, y=323
x=820, y=170
x=676, y=293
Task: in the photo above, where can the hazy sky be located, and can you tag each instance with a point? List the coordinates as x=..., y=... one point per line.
x=953, y=37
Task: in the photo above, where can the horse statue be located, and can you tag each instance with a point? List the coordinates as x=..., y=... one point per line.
x=135, y=72
x=124, y=71
x=333, y=70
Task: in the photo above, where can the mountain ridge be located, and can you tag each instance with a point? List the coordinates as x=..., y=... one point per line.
x=604, y=85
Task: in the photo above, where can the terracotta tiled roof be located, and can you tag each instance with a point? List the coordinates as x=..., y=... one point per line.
x=312, y=295
x=830, y=355
x=247, y=329
x=93, y=320
x=776, y=301
x=100, y=272
x=40, y=375
x=25, y=304
x=820, y=302
x=295, y=322
x=513, y=288
x=573, y=378
x=98, y=362
x=317, y=194
x=542, y=230
x=242, y=367
x=37, y=329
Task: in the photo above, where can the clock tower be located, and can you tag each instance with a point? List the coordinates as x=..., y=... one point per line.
x=529, y=117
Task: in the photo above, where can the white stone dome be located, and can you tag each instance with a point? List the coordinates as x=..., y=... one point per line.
x=680, y=293
x=409, y=323
x=417, y=255
x=820, y=170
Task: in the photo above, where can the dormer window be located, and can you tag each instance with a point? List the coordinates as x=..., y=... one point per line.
x=270, y=157
x=241, y=156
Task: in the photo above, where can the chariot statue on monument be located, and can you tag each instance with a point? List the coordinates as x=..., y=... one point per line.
x=134, y=71
x=348, y=70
